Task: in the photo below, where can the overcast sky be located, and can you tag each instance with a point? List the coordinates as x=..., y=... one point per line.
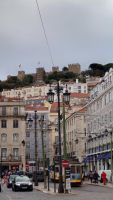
x=78, y=31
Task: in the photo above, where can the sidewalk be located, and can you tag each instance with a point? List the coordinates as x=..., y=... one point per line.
x=40, y=187
x=110, y=185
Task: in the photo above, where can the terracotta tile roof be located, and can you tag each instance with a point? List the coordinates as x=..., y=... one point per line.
x=54, y=106
x=10, y=99
x=79, y=95
x=33, y=108
x=92, y=84
x=37, y=97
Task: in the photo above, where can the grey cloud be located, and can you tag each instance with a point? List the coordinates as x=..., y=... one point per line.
x=78, y=31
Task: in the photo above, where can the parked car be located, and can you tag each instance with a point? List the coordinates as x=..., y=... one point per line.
x=22, y=183
x=76, y=179
x=10, y=180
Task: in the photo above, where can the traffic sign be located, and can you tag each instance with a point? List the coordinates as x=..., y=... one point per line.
x=65, y=163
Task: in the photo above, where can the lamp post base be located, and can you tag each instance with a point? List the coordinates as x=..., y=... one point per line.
x=36, y=180
x=61, y=188
x=36, y=183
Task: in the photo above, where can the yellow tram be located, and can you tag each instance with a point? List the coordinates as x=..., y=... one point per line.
x=75, y=173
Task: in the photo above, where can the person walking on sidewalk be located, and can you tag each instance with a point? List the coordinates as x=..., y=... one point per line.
x=95, y=176
x=91, y=176
x=103, y=176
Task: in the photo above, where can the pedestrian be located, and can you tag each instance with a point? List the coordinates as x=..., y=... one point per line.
x=103, y=176
x=91, y=176
x=95, y=177
x=5, y=179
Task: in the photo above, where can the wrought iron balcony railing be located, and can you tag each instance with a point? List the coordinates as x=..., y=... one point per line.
x=10, y=159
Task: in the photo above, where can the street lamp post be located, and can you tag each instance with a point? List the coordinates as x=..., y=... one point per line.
x=36, y=154
x=36, y=164
x=23, y=155
x=66, y=97
x=41, y=121
x=64, y=132
x=1, y=165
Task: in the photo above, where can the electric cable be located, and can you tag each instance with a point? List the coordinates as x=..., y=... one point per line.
x=49, y=49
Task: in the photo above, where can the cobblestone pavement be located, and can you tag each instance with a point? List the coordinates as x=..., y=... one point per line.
x=86, y=192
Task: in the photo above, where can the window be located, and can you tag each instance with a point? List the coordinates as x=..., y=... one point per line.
x=110, y=116
x=105, y=119
x=105, y=100
x=79, y=89
x=4, y=124
x=85, y=131
x=3, y=137
x=4, y=153
x=15, y=123
x=15, y=111
x=15, y=152
x=27, y=156
x=15, y=137
x=4, y=111
x=27, y=134
x=27, y=144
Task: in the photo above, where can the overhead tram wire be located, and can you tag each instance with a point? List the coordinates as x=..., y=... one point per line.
x=49, y=49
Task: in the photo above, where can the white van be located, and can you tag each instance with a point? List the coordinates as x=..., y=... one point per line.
x=108, y=174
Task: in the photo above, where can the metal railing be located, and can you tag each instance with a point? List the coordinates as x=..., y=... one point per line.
x=10, y=158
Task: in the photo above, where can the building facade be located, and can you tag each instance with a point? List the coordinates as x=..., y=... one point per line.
x=27, y=92
x=35, y=125
x=12, y=134
x=41, y=90
x=99, y=125
x=75, y=131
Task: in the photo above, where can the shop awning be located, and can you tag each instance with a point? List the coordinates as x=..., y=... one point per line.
x=105, y=156
x=86, y=159
x=100, y=156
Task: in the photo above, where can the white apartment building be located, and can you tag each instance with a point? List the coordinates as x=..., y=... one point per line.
x=27, y=92
x=33, y=91
x=77, y=87
x=99, y=125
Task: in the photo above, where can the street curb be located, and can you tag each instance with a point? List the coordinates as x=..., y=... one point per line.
x=51, y=193
x=98, y=185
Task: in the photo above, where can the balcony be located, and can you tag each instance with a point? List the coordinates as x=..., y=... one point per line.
x=10, y=158
x=12, y=114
